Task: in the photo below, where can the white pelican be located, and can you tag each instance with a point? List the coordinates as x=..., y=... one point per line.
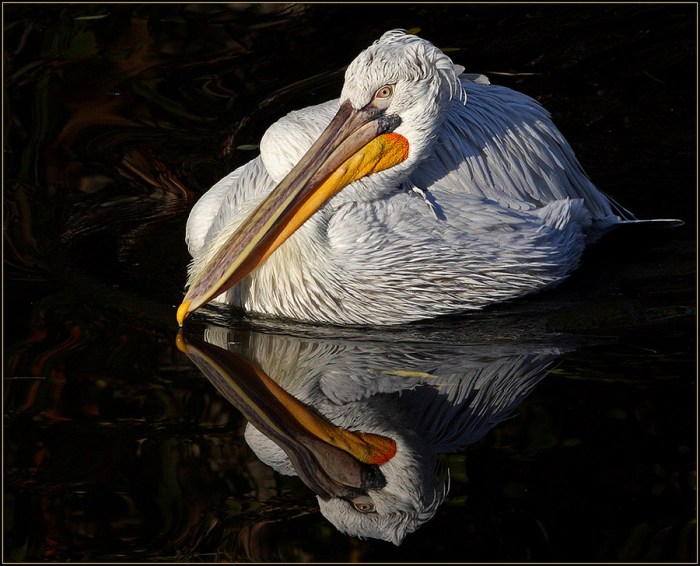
x=421, y=191
x=363, y=422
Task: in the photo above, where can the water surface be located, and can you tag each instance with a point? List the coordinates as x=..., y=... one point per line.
x=116, y=448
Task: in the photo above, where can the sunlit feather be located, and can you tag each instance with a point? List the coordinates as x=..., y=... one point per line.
x=490, y=204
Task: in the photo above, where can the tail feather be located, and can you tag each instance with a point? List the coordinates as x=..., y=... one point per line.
x=663, y=223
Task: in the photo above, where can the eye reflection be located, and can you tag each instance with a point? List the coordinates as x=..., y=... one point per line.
x=363, y=504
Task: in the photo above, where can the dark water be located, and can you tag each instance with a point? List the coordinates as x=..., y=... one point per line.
x=116, y=448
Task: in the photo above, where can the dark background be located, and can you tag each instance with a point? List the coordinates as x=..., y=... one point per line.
x=118, y=117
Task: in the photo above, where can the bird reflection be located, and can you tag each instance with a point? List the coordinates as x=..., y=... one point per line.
x=363, y=422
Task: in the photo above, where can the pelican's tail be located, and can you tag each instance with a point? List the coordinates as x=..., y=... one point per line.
x=626, y=218
x=661, y=223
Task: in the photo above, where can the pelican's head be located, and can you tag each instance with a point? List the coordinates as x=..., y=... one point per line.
x=410, y=81
x=414, y=485
x=390, y=109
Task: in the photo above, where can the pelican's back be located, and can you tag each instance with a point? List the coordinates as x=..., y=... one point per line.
x=502, y=145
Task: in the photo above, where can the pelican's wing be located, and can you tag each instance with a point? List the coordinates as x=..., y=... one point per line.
x=501, y=144
x=219, y=211
x=225, y=202
x=462, y=409
x=287, y=140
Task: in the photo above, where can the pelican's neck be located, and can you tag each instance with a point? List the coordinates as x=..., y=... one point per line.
x=294, y=282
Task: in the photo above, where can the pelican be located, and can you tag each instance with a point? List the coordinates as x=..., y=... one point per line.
x=363, y=422
x=422, y=191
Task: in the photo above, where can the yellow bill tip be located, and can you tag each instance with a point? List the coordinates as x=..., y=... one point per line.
x=180, y=342
x=182, y=312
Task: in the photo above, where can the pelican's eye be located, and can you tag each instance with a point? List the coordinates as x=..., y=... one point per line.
x=387, y=91
x=382, y=97
x=363, y=504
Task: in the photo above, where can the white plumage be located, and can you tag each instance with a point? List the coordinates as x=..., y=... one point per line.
x=429, y=400
x=489, y=204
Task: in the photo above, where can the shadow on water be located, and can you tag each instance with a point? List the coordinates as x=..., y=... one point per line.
x=116, y=448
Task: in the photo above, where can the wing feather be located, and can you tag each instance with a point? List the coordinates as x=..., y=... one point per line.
x=502, y=145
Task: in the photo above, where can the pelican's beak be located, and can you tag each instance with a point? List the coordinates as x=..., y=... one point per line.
x=330, y=460
x=355, y=144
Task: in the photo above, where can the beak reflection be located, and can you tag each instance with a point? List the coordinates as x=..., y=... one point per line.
x=332, y=461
